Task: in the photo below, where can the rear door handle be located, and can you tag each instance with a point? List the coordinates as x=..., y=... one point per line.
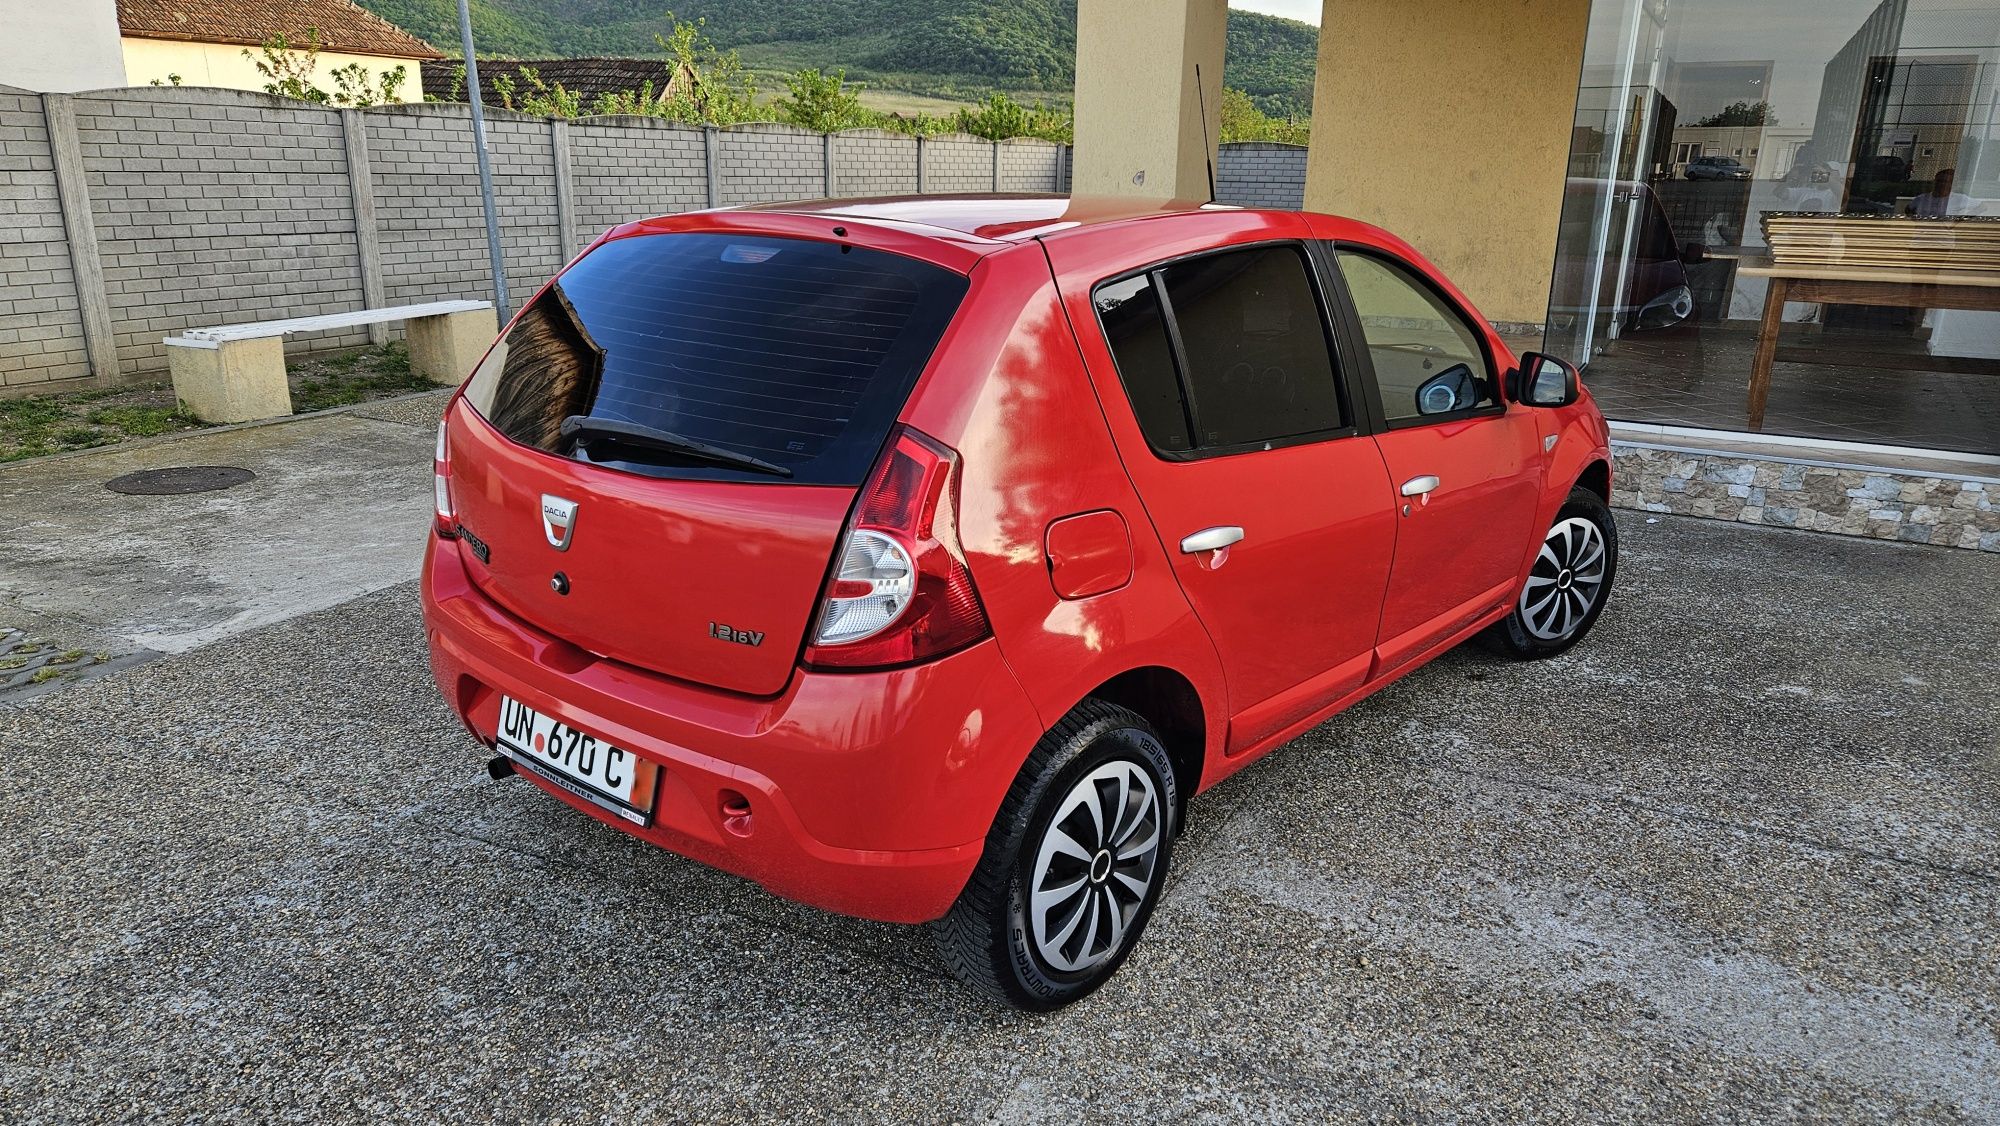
x=1418, y=486
x=1211, y=539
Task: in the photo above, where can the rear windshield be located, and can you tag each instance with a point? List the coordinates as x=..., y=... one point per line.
x=796, y=354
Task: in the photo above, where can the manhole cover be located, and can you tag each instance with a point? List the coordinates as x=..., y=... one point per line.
x=179, y=479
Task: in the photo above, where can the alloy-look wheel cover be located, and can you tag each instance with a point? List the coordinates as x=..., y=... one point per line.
x=1567, y=579
x=1094, y=867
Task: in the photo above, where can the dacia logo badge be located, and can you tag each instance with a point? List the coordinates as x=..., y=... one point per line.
x=558, y=521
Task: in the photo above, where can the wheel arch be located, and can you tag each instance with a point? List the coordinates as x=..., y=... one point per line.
x=1596, y=477
x=1167, y=700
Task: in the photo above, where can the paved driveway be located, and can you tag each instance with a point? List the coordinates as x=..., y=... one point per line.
x=1735, y=858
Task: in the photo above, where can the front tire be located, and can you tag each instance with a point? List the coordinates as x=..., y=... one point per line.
x=1568, y=585
x=1073, y=865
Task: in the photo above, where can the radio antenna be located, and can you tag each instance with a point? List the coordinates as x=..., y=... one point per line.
x=1207, y=153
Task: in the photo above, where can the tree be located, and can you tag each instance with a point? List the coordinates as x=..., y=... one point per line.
x=1740, y=113
x=708, y=86
x=288, y=73
x=1243, y=121
x=1000, y=117
x=822, y=103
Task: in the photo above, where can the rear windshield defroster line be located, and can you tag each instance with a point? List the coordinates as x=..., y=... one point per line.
x=794, y=353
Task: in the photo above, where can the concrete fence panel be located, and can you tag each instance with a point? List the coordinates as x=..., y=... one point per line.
x=41, y=326
x=874, y=162
x=426, y=187
x=958, y=162
x=1261, y=174
x=130, y=215
x=762, y=162
x=1030, y=165
x=213, y=207
x=627, y=168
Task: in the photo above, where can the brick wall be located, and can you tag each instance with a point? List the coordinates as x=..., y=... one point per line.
x=1030, y=166
x=624, y=168
x=770, y=162
x=954, y=162
x=874, y=162
x=218, y=206
x=41, y=330
x=1261, y=174
x=207, y=212
x=427, y=211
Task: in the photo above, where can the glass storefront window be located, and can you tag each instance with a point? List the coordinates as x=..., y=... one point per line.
x=1847, y=151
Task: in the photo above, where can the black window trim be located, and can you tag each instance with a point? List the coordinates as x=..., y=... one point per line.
x=1365, y=361
x=1154, y=273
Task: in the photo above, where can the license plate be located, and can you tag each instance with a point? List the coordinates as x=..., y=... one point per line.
x=607, y=776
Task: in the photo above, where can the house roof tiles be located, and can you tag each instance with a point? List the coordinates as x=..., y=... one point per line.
x=342, y=26
x=586, y=77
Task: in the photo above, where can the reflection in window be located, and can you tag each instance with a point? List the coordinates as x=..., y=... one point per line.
x=1428, y=361
x=1258, y=362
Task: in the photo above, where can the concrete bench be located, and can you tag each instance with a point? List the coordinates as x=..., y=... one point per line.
x=235, y=373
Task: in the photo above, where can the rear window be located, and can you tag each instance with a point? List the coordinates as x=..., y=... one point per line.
x=793, y=353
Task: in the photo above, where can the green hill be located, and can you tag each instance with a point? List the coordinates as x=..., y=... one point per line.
x=946, y=48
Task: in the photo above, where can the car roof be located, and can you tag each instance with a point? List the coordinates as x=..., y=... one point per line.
x=991, y=217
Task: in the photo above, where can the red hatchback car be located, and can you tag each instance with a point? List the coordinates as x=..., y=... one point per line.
x=919, y=558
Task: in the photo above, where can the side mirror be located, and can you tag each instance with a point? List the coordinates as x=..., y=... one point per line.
x=1453, y=389
x=1545, y=381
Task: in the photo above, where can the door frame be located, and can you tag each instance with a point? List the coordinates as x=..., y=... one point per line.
x=1357, y=397
x=1349, y=318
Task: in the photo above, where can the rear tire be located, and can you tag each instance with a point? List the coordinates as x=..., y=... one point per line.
x=1073, y=865
x=1566, y=589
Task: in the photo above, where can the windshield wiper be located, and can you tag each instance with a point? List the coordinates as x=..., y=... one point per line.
x=583, y=430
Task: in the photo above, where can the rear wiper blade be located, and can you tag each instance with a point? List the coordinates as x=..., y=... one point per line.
x=582, y=430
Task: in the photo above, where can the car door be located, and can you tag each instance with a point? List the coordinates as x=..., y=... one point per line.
x=1465, y=468
x=1216, y=370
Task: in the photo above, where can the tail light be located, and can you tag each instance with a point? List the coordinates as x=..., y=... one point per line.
x=900, y=591
x=447, y=518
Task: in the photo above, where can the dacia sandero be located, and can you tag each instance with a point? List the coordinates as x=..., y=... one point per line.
x=920, y=558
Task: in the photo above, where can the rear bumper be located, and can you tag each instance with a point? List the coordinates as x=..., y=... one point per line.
x=870, y=793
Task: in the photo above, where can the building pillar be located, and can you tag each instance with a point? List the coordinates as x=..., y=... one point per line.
x=1449, y=122
x=1141, y=129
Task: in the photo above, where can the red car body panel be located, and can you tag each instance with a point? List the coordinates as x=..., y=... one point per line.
x=871, y=793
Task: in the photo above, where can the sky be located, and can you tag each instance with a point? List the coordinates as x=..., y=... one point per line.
x=1307, y=10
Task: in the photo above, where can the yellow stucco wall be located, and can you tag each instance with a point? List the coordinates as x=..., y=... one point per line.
x=1136, y=104
x=1448, y=122
x=223, y=65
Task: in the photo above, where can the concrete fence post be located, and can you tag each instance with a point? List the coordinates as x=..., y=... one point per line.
x=100, y=343
x=565, y=189
x=826, y=161
x=920, y=164
x=714, y=178
x=367, y=235
x=996, y=167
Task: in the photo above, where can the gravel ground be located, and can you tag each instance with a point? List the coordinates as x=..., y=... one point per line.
x=1737, y=858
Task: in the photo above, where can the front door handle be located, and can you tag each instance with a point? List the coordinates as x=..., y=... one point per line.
x=1211, y=539
x=1418, y=486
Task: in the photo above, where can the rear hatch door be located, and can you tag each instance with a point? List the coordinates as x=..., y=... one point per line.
x=659, y=458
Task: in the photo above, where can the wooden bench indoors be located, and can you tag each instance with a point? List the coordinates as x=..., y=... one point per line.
x=1951, y=263
x=236, y=373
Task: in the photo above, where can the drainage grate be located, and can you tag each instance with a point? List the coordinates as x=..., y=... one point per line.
x=178, y=479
